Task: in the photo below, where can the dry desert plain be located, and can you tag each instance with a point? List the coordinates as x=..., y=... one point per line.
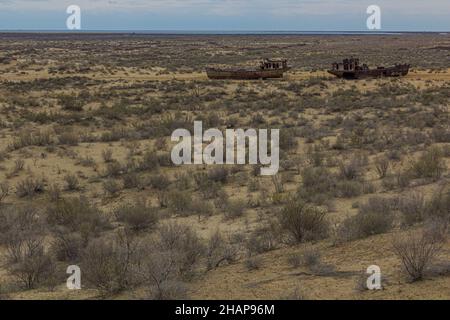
x=86, y=176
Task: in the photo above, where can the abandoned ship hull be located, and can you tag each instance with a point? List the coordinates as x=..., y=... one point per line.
x=396, y=71
x=244, y=74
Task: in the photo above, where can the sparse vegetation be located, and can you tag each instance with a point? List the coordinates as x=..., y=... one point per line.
x=86, y=176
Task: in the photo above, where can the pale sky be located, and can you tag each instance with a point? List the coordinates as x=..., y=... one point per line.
x=275, y=15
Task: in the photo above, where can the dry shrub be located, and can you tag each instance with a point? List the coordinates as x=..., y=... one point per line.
x=180, y=202
x=234, y=208
x=206, y=187
x=18, y=166
x=168, y=290
x=400, y=179
x=131, y=180
x=138, y=216
x=374, y=217
x=439, y=204
x=303, y=222
x=23, y=233
x=107, y=155
x=114, y=169
x=34, y=265
x=70, y=103
x=27, y=138
x=170, y=259
x=253, y=263
x=318, y=185
x=430, y=164
x=418, y=250
x=160, y=263
x=288, y=140
x=262, y=240
x=150, y=161
x=159, y=181
x=160, y=275
x=108, y=264
x=183, y=180
x=294, y=260
x=310, y=257
x=202, y=208
x=412, y=206
x=54, y=192
x=72, y=183
x=277, y=182
x=350, y=170
x=77, y=215
x=69, y=138
x=17, y=224
x=349, y=188
x=382, y=165
x=112, y=187
x=183, y=244
x=218, y=174
x=4, y=191
x=219, y=250
x=66, y=246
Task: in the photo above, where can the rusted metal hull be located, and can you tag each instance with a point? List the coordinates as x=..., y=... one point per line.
x=395, y=71
x=244, y=74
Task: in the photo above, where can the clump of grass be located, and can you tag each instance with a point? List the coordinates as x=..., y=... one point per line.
x=4, y=191
x=72, y=183
x=382, y=165
x=112, y=187
x=29, y=187
x=69, y=138
x=27, y=138
x=107, y=155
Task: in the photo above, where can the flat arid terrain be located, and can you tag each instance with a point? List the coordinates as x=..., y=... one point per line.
x=87, y=180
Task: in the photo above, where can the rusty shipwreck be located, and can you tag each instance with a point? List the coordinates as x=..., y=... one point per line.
x=351, y=69
x=267, y=69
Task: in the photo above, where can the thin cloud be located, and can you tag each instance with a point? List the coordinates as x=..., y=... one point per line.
x=227, y=14
x=240, y=7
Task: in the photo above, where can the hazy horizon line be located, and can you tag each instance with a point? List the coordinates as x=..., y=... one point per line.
x=212, y=31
